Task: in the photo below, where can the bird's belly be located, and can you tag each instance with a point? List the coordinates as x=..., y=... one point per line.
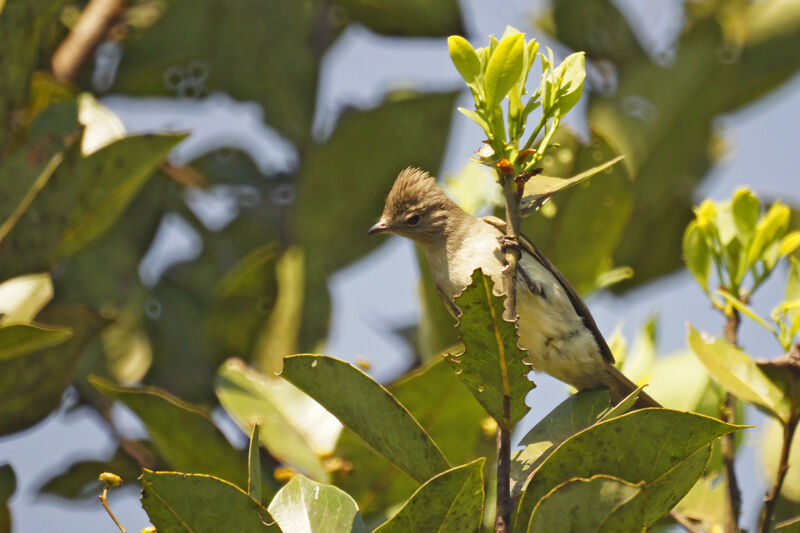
x=557, y=340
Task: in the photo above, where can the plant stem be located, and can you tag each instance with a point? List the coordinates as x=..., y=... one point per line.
x=772, y=497
x=728, y=442
x=512, y=195
x=104, y=501
x=92, y=26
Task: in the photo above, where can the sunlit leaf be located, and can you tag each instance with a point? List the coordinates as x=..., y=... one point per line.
x=569, y=75
x=581, y=504
x=369, y=410
x=294, y=428
x=738, y=373
x=606, y=448
x=491, y=365
x=450, y=502
x=744, y=309
x=176, y=502
x=464, y=58
x=789, y=244
x=22, y=298
x=540, y=188
x=305, y=506
x=697, y=254
x=504, y=68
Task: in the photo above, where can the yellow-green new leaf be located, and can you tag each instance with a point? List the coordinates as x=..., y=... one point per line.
x=369, y=410
x=770, y=230
x=789, y=244
x=742, y=308
x=305, y=506
x=569, y=75
x=504, y=68
x=464, y=58
x=22, y=298
x=697, y=254
x=178, y=503
x=540, y=188
x=451, y=502
x=736, y=371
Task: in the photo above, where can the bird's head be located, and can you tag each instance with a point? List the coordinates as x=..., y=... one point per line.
x=417, y=208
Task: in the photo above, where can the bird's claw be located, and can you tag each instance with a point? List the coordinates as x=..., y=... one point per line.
x=508, y=243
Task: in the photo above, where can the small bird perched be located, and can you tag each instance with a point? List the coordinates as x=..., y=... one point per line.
x=555, y=326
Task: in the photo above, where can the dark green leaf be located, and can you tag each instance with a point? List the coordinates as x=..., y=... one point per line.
x=582, y=504
x=177, y=503
x=32, y=385
x=669, y=469
x=451, y=502
x=445, y=408
x=183, y=435
x=738, y=373
x=425, y=18
x=369, y=410
x=574, y=414
x=491, y=365
x=288, y=417
x=353, y=189
x=305, y=506
x=8, y=484
x=80, y=481
x=277, y=46
x=20, y=339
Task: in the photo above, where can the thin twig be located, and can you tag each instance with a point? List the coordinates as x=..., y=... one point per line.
x=104, y=501
x=92, y=25
x=728, y=442
x=767, y=512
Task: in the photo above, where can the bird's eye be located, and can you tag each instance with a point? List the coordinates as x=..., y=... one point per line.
x=413, y=220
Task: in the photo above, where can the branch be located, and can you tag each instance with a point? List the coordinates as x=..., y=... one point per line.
x=789, y=429
x=513, y=194
x=92, y=25
x=728, y=442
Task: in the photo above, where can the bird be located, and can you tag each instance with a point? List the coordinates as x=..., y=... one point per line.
x=554, y=324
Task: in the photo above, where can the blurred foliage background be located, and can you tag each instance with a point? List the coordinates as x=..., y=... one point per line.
x=82, y=201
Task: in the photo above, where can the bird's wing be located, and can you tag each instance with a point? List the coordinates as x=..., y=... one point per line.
x=577, y=302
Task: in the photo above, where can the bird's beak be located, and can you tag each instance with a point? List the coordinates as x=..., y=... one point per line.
x=380, y=227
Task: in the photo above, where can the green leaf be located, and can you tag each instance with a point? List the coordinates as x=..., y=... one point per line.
x=32, y=385
x=79, y=480
x=479, y=120
x=464, y=58
x=254, y=465
x=570, y=75
x=574, y=414
x=491, y=365
x=504, y=69
x=540, y=188
x=738, y=374
x=668, y=470
x=304, y=506
x=22, y=298
x=110, y=178
x=697, y=254
x=177, y=502
x=359, y=184
x=183, y=434
x=451, y=502
x=272, y=40
x=792, y=293
x=369, y=410
x=19, y=339
x=445, y=408
x=424, y=18
x=296, y=430
x=8, y=484
x=582, y=504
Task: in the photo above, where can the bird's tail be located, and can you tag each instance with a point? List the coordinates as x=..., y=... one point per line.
x=620, y=387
